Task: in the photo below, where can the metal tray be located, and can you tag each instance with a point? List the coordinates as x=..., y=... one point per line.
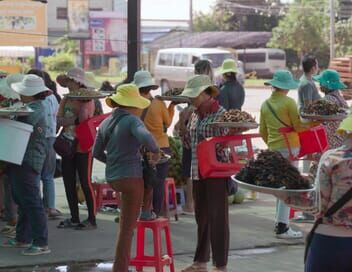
x=313, y=117
x=177, y=98
x=279, y=192
x=80, y=97
x=247, y=125
x=15, y=112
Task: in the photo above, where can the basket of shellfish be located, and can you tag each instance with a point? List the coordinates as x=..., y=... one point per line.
x=235, y=119
x=323, y=110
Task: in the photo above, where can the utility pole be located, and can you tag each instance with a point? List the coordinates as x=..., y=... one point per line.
x=332, y=30
x=190, y=15
x=133, y=37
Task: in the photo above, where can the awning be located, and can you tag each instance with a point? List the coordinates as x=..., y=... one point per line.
x=17, y=51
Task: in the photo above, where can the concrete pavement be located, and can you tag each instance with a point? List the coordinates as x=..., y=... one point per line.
x=251, y=225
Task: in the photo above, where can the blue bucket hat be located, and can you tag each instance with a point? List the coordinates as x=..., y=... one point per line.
x=283, y=79
x=330, y=79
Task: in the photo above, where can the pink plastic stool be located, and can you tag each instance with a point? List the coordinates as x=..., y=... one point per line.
x=170, y=187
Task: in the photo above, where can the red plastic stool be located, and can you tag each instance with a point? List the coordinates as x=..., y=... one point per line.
x=105, y=195
x=158, y=261
x=170, y=186
x=292, y=213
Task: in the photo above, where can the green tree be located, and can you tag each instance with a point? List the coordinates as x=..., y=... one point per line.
x=217, y=20
x=66, y=45
x=343, y=37
x=303, y=29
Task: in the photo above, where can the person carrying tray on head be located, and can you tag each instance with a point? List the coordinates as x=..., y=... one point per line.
x=157, y=119
x=280, y=111
x=71, y=113
x=330, y=85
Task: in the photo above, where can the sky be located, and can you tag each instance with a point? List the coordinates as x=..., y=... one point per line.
x=173, y=9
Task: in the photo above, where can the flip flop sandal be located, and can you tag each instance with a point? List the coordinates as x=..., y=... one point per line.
x=195, y=268
x=35, y=251
x=12, y=243
x=67, y=224
x=86, y=225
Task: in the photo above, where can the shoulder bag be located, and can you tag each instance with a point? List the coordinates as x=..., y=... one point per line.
x=333, y=209
x=65, y=145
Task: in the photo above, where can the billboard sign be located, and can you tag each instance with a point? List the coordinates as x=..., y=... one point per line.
x=108, y=34
x=23, y=23
x=78, y=19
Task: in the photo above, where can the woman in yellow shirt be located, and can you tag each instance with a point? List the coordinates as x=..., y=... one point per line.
x=157, y=118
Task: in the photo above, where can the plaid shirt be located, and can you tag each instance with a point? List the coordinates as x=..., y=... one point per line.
x=200, y=130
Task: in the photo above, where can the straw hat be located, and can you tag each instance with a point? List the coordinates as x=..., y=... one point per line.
x=283, y=79
x=77, y=74
x=128, y=95
x=330, y=79
x=30, y=85
x=345, y=125
x=197, y=84
x=5, y=86
x=228, y=66
x=144, y=79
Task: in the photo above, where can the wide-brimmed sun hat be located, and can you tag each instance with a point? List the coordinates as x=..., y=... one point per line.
x=79, y=75
x=198, y=84
x=345, y=125
x=228, y=66
x=5, y=86
x=128, y=95
x=30, y=86
x=283, y=79
x=330, y=79
x=144, y=79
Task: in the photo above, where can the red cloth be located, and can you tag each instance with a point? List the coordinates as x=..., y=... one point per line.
x=207, y=107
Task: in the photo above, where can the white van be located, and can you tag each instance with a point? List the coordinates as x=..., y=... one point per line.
x=173, y=66
x=264, y=61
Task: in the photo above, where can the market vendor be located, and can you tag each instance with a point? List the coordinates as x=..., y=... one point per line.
x=277, y=112
x=31, y=229
x=210, y=195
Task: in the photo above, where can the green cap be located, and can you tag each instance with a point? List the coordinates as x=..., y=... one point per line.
x=283, y=79
x=228, y=66
x=330, y=79
x=197, y=84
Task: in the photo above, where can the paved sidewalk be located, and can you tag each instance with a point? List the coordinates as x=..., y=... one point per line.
x=251, y=225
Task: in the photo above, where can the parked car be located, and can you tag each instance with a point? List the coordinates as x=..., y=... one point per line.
x=173, y=66
x=263, y=61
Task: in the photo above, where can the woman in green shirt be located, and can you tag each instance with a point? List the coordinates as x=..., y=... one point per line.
x=280, y=111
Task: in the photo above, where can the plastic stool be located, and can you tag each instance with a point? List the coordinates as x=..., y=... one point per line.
x=105, y=195
x=158, y=261
x=170, y=187
x=182, y=199
x=293, y=213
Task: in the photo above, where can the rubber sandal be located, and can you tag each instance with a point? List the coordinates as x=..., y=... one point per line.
x=54, y=213
x=12, y=243
x=86, y=225
x=67, y=224
x=195, y=267
x=7, y=229
x=11, y=234
x=35, y=251
x=147, y=216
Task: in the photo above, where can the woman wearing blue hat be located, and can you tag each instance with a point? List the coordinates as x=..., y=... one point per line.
x=330, y=85
x=277, y=112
